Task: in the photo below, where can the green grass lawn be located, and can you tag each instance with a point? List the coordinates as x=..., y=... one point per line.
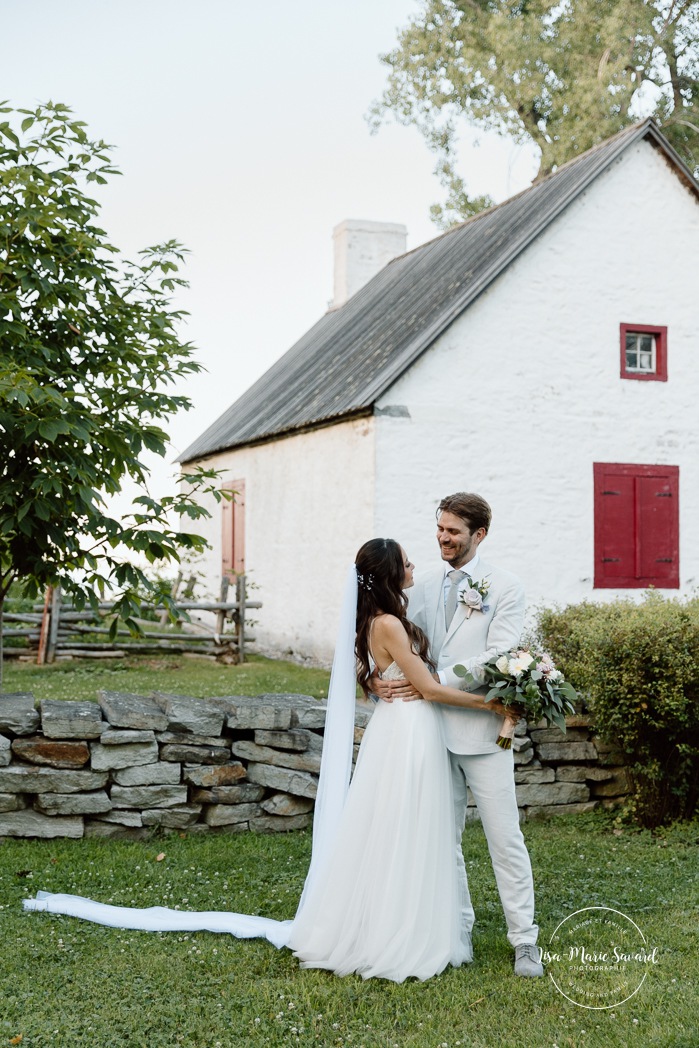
x=83, y=678
x=66, y=982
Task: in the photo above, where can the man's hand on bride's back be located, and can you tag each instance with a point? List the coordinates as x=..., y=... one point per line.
x=388, y=690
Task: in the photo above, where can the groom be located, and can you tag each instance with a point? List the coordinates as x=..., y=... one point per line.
x=459, y=635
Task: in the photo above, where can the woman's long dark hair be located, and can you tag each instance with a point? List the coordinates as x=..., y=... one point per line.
x=380, y=577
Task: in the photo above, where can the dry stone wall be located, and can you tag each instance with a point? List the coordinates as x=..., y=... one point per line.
x=130, y=764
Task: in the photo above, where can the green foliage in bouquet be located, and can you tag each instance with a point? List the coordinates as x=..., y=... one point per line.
x=638, y=667
x=530, y=680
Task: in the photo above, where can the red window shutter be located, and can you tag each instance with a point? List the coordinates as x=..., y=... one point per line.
x=636, y=526
x=233, y=529
x=239, y=528
x=656, y=501
x=614, y=527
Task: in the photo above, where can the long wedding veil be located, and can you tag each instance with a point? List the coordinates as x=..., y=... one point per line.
x=335, y=769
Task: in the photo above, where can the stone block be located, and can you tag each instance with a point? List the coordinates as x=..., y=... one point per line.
x=122, y=817
x=234, y=827
x=158, y=774
x=29, y=823
x=280, y=758
x=569, y=773
x=243, y=794
x=188, y=714
x=52, y=752
x=609, y=754
x=556, y=735
x=195, y=754
x=618, y=785
x=363, y=711
x=545, y=810
x=124, y=736
x=286, y=805
x=73, y=803
x=523, y=757
x=71, y=720
x=276, y=712
x=557, y=752
x=107, y=758
x=124, y=710
x=300, y=783
x=547, y=793
x=115, y=831
x=148, y=796
x=520, y=743
x=18, y=714
x=209, y=777
x=179, y=818
x=279, y=823
x=27, y=779
x=5, y=751
x=605, y=747
x=245, y=712
x=579, y=720
x=12, y=802
x=224, y=814
x=296, y=739
x=183, y=739
x=529, y=774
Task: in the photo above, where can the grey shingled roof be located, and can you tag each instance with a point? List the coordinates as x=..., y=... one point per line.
x=355, y=353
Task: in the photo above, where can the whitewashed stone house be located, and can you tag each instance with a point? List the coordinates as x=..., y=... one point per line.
x=543, y=354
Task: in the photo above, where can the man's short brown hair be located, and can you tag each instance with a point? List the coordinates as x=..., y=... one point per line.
x=473, y=510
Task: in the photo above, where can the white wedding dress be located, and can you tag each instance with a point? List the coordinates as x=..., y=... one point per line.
x=386, y=902
x=381, y=896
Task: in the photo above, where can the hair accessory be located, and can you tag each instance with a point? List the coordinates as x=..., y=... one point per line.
x=365, y=582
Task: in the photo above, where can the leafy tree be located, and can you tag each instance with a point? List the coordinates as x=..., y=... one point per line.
x=89, y=356
x=565, y=75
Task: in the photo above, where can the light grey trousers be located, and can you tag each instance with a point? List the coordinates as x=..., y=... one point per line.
x=490, y=777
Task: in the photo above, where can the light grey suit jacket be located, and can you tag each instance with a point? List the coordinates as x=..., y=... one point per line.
x=470, y=642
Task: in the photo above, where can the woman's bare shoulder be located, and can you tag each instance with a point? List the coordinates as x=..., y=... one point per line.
x=386, y=625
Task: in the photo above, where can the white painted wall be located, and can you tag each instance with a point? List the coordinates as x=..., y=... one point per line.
x=309, y=505
x=522, y=393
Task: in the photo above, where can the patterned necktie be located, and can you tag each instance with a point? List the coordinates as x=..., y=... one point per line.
x=450, y=607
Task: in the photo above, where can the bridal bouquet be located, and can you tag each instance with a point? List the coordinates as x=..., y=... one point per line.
x=530, y=680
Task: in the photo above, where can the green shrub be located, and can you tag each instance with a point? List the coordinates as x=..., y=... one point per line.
x=638, y=667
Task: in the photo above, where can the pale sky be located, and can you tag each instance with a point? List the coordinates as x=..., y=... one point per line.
x=240, y=130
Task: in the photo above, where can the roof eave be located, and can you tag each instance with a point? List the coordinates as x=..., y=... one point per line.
x=272, y=436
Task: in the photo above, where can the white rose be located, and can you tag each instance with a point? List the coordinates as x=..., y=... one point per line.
x=471, y=598
x=502, y=664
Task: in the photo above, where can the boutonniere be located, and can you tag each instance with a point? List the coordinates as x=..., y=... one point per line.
x=473, y=595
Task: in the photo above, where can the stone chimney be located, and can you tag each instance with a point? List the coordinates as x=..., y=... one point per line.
x=362, y=248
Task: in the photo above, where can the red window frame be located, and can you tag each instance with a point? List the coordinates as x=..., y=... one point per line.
x=660, y=373
x=640, y=544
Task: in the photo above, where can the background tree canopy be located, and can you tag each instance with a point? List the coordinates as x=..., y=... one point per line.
x=89, y=355
x=565, y=75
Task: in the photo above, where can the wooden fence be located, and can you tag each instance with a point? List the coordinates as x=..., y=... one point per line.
x=56, y=628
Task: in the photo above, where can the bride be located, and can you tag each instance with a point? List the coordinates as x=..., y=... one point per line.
x=382, y=895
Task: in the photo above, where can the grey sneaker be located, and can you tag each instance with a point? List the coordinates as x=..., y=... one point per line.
x=527, y=961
